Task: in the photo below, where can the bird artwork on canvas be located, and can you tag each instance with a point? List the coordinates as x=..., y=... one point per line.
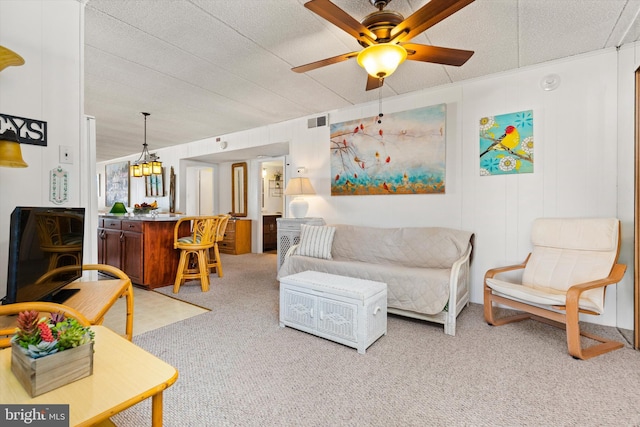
x=508, y=141
x=512, y=151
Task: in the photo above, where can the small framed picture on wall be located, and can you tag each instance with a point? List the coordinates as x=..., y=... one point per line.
x=154, y=185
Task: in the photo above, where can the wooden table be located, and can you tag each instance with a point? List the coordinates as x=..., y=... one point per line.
x=96, y=297
x=123, y=375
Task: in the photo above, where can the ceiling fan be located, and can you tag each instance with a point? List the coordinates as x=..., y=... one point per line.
x=384, y=34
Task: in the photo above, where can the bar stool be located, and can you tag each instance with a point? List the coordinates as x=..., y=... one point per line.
x=194, y=250
x=214, y=254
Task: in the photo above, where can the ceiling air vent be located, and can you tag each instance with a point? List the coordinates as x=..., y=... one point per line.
x=317, y=122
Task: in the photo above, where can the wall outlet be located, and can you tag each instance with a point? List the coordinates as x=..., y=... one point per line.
x=65, y=155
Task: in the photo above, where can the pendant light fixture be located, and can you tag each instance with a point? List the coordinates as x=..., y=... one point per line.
x=9, y=58
x=148, y=163
x=10, y=152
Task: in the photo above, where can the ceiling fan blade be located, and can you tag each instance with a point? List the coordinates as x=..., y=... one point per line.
x=341, y=19
x=437, y=55
x=324, y=62
x=374, y=82
x=425, y=17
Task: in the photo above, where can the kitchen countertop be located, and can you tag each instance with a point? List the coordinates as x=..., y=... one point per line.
x=143, y=217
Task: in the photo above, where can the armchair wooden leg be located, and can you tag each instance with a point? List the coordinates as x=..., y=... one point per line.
x=489, y=313
x=573, y=338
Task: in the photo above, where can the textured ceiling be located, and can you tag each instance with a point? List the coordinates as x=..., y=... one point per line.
x=205, y=68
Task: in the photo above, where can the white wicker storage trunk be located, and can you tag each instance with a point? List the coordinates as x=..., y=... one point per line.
x=346, y=310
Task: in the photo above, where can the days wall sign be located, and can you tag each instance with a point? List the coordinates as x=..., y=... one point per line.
x=30, y=131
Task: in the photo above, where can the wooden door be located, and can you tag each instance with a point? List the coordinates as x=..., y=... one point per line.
x=133, y=255
x=112, y=248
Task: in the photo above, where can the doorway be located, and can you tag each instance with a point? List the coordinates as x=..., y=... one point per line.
x=199, y=191
x=272, y=182
x=636, y=220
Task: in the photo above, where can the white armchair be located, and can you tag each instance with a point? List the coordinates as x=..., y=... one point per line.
x=572, y=262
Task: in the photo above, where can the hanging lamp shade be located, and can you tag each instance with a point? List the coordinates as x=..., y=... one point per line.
x=10, y=151
x=381, y=60
x=136, y=170
x=9, y=58
x=156, y=167
x=148, y=163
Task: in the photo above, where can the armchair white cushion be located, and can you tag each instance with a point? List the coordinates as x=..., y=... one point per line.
x=572, y=262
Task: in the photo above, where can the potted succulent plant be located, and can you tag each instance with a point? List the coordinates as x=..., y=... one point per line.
x=50, y=352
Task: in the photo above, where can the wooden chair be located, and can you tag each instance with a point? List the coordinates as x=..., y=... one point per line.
x=214, y=253
x=194, y=250
x=566, y=274
x=8, y=329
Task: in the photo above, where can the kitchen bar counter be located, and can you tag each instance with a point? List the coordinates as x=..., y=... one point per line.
x=144, y=217
x=141, y=246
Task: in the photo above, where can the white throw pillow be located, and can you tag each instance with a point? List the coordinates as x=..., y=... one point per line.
x=316, y=241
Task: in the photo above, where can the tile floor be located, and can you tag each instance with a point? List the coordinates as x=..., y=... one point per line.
x=151, y=310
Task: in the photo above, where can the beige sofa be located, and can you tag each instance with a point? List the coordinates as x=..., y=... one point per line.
x=426, y=269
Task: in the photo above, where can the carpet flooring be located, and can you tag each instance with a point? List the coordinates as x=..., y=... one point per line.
x=238, y=367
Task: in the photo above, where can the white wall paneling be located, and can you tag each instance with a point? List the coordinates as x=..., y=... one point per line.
x=579, y=161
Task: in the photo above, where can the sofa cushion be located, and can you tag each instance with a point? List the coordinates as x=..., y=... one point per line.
x=421, y=290
x=423, y=247
x=316, y=241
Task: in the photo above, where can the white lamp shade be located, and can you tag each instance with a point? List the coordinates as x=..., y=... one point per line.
x=299, y=187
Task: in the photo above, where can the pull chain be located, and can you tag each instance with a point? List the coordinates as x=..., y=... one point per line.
x=380, y=81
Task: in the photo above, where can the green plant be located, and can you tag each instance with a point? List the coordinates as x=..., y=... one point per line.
x=39, y=337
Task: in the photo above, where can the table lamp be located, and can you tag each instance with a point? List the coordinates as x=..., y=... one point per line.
x=118, y=208
x=299, y=187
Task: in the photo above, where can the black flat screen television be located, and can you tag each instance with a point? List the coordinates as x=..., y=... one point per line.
x=45, y=253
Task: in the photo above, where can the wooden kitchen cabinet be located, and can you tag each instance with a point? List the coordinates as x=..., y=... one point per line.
x=141, y=247
x=133, y=250
x=270, y=232
x=237, y=237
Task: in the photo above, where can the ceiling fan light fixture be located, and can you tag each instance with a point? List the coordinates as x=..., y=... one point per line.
x=381, y=60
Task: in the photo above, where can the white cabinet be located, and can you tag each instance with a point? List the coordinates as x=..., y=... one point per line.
x=289, y=233
x=346, y=310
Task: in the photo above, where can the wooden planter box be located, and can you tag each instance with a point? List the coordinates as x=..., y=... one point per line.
x=44, y=374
